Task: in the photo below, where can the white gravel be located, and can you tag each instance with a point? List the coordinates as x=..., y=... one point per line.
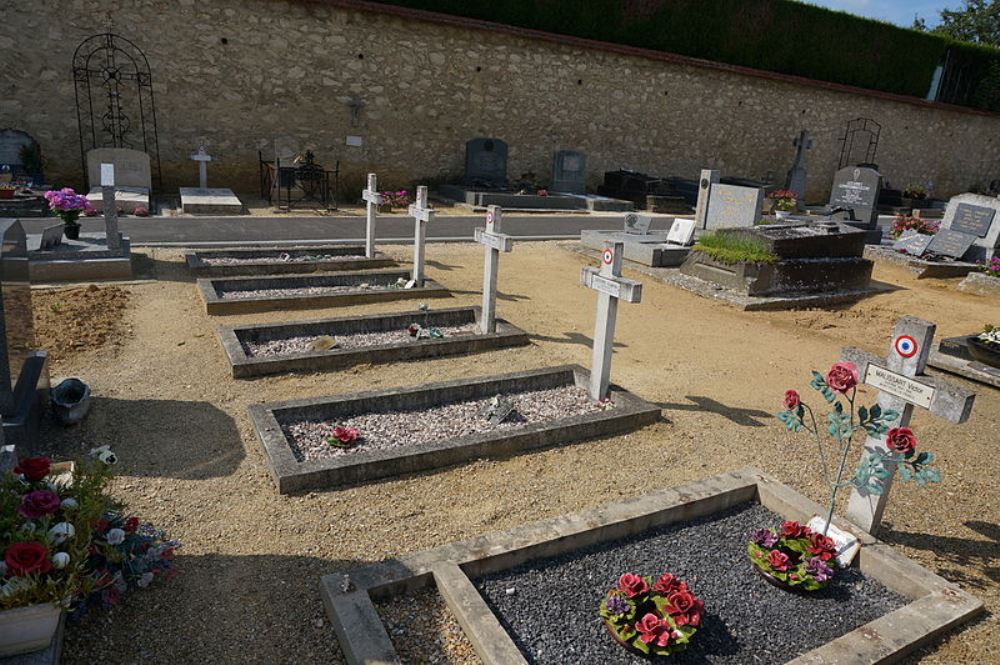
x=248, y=294
x=290, y=346
x=286, y=258
x=397, y=429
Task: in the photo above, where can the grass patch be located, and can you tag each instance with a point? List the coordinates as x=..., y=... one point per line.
x=731, y=248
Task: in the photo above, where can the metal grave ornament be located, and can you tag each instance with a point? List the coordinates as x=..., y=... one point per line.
x=497, y=410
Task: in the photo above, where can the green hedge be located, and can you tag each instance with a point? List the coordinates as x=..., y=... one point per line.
x=776, y=35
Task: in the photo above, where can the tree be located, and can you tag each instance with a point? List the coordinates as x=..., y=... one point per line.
x=978, y=21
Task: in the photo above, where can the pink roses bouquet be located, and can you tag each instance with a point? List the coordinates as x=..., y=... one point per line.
x=652, y=618
x=67, y=204
x=794, y=554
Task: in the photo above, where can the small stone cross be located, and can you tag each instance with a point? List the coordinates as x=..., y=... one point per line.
x=203, y=158
x=495, y=243
x=372, y=200
x=114, y=238
x=611, y=287
x=421, y=214
x=902, y=385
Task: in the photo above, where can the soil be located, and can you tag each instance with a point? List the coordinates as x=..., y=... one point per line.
x=252, y=559
x=70, y=322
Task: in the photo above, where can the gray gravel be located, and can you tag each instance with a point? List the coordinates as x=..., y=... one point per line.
x=552, y=613
x=396, y=429
x=289, y=346
x=249, y=294
x=285, y=258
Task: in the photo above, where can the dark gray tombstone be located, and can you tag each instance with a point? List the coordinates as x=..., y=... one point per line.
x=979, y=217
x=486, y=163
x=912, y=243
x=953, y=244
x=856, y=189
x=569, y=172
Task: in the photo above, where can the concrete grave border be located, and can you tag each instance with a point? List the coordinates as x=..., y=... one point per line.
x=980, y=284
x=952, y=355
x=937, y=605
x=630, y=412
x=214, y=304
x=196, y=260
x=921, y=267
x=245, y=366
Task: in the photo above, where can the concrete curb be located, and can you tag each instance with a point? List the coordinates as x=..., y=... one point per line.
x=198, y=264
x=980, y=284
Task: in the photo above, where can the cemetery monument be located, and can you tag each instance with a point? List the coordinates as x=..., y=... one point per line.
x=202, y=200
x=133, y=179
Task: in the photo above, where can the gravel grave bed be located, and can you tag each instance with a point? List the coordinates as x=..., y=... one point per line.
x=290, y=346
x=252, y=294
x=238, y=260
x=424, y=631
x=552, y=612
x=396, y=429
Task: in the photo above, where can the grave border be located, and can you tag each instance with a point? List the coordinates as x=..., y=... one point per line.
x=292, y=476
x=936, y=604
x=195, y=261
x=214, y=304
x=923, y=268
x=246, y=367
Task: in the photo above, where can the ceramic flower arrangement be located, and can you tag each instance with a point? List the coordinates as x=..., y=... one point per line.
x=794, y=555
x=652, y=618
x=784, y=200
x=344, y=437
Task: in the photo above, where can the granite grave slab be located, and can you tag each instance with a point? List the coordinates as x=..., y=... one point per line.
x=301, y=259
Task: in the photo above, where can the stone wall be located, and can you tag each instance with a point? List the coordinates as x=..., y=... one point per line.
x=240, y=72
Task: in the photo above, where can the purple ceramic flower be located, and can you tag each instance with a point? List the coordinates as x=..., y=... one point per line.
x=617, y=605
x=764, y=538
x=819, y=569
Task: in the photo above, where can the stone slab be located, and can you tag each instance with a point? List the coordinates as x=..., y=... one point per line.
x=952, y=356
x=970, y=212
x=513, y=200
x=196, y=261
x=922, y=268
x=85, y=259
x=290, y=476
x=980, y=284
x=210, y=201
x=245, y=366
x=649, y=250
x=126, y=198
x=937, y=605
x=214, y=304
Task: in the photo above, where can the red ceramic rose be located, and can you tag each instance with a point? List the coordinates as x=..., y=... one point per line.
x=344, y=437
x=777, y=560
x=901, y=440
x=667, y=584
x=821, y=546
x=26, y=559
x=34, y=468
x=685, y=608
x=791, y=529
x=653, y=630
x=39, y=504
x=842, y=376
x=131, y=524
x=792, y=400
x=632, y=585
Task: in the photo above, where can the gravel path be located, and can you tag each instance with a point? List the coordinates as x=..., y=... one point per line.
x=424, y=631
x=290, y=346
x=395, y=429
x=239, y=260
x=248, y=294
x=552, y=613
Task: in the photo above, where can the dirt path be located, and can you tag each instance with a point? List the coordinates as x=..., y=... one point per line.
x=248, y=582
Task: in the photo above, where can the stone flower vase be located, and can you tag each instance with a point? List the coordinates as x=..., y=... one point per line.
x=27, y=629
x=70, y=401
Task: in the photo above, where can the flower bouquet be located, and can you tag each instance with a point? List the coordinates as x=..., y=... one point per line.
x=652, y=618
x=784, y=200
x=794, y=555
x=68, y=205
x=343, y=437
x=903, y=223
x=992, y=268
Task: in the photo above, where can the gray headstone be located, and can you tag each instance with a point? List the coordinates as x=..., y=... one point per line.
x=637, y=224
x=709, y=177
x=51, y=237
x=486, y=163
x=953, y=244
x=912, y=243
x=681, y=232
x=796, y=181
x=732, y=206
x=11, y=142
x=977, y=216
x=131, y=167
x=17, y=334
x=857, y=188
x=569, y=172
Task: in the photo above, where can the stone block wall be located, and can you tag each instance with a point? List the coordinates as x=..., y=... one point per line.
x=240, y=72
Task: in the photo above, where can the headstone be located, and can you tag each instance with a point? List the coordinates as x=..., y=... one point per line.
x=902, y=385
x=114, y=239
x=495, y=243
x=732, y=206
x=51, y=237
x=912, y=243
x=952, y=244
x=705, y=182
x=796, y=180
x=421, y=214
x=979, y=217
x=681, y=232
x=17, y=328
x=857, y=188
x=132, y=167
x=636, y=224
x=486, y=163
x=372, y=201
x=569, y=172
x=203, y=158
x=611, y=287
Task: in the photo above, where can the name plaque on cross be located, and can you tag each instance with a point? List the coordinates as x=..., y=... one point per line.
x=494, y=242
x=899, y=385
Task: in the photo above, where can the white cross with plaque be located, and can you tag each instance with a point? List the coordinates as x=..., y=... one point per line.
x=902, y=385
x=611, y=287
x=421, y=214
x=372, y=200
x=113, y=238
x=203, y=158
x=495, y=243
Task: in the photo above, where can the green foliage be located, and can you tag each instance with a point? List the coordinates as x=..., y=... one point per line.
x=978, y=22
x=819, y=383
x=876, y=469
x=733, y=248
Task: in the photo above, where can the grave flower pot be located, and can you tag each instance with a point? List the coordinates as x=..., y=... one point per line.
x=27, y=629
x=70, y=401
x=72, y=231
x=983, y=352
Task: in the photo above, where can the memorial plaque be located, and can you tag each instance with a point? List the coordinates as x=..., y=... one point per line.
x=950, y=243
x=899, y=385
x=569, y=172
x=974, y=220
x=681, y=232
x=732, y=206
x=17, y=337
x=605, y=285
x=857, y=188
x=486, y=163
x=637, y=224
x=912, y=243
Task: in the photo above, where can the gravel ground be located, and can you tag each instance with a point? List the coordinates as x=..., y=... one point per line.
x=290, y=346
x=246, y=294
x=285, y=258
x=424, y=631
x=552, y=612
x=396, y=429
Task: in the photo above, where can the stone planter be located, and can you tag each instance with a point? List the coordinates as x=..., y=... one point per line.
x=27, y=629
x=984, y=353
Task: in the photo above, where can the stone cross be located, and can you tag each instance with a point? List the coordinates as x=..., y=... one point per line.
x=796, y=181
x=902, y=385
x=421, y=214
x=372, y=201
x=114, y=238
x=495, y=243
x=708, y=178
x=611, y=287
x=203, y=158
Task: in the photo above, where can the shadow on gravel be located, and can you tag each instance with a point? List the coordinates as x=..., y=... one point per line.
x=979, y=555
x=438, y=265
x=572, y=338
x=146, y=267
x=176, y=439
x=508, y=297
x=743, y=417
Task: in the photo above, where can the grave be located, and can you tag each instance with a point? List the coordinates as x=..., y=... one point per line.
x=569, y=172
x=494, y=242
x=24, y=371
x=132, y=179
x=422, y=214
x=645, y=191
x=853, y=199
x=733, y=206
x=657, y=249
x=976, y=219
x=980, y=284
x=953, y=355
x=475, y=578
x=242, y=295
x=202, y=200
x=299, y=259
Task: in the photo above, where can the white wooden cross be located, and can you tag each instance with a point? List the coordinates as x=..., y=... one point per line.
x=203, y=158
x=495, y=243
x=611, y=287
x=902, y=385
x=421, y=214
x=372, y=200
x=114, y=239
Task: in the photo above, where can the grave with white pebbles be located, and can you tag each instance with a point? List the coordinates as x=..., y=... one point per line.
x=260, y=261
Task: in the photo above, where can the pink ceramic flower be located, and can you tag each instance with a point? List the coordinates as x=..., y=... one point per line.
x=632, y=585
x=653, y=630
x=842, y=376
